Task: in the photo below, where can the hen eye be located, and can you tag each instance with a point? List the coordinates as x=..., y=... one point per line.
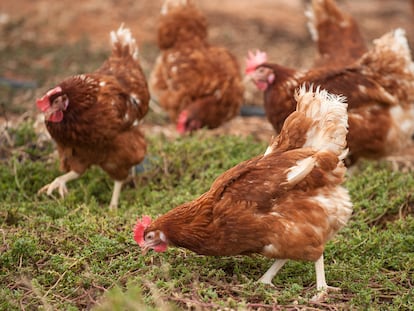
x=149, y=236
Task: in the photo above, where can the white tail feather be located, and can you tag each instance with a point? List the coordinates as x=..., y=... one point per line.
x=330, y=119
x=395, y=40
x=310, y=15
x=399, y=54
x=169, y=4
x=300, y=170
x=124, y=37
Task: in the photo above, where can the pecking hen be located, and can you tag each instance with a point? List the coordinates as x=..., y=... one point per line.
x=379, y=87
x=94, y=118
x=336, y=34
x=198, y=84
x=285, y=204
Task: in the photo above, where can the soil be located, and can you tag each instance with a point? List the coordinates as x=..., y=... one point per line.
x=277, y=26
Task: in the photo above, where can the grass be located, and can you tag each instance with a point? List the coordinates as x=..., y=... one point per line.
x=73, y=254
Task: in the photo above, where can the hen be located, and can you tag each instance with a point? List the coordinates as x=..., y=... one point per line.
x=285, y=204
x=94, y=117
x=336, y=33
x=379, y=87
x=198, y=84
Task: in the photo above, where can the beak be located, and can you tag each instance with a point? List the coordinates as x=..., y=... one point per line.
x=50, y=111
x=144, y=250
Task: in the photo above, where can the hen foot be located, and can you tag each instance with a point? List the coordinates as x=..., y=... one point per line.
x=59, y=183
x=323, y=294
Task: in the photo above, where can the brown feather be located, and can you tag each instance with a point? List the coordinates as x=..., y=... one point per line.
x=190, y=74
x=256, y=207
x=99, y=126
x=379, y=88
x=337, y=34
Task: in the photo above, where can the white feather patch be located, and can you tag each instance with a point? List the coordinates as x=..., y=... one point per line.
x=268, y=150
x=169, y=4
x=337, y=204
x=270, y=249
x=330, y=119
x=301, y=170
x=310, y=14
x=124, y=37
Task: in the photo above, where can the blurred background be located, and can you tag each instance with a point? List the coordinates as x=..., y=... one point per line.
x=43, y=41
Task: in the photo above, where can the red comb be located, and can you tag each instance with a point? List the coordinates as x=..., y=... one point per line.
x=182, y=119
x=254, y=60
x=140, y=228
x=44, y=103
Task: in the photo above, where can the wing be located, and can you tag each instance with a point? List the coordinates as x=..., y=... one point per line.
x=183, y=76
x=265, y=180
x=265, y=198
x=360, y=89
x=130, y=81
x=99, y=109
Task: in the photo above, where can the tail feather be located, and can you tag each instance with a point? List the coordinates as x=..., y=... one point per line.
x=391, y=54
x=336, y=33
x=311, y=23
x=169, y=4
x=330, y=120
x=320, y=122
x=123, y=43
x=325, y=12
x=389, y=62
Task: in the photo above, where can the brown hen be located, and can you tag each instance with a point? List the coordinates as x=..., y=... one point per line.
x=285, y=204
x=198, y=84
x=379, y=88
x=94, y=118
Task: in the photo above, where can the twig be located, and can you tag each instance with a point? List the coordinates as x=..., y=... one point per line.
x=194, y=302
x=37, y=293
x=21, y=305
x=265, y=306
x=61, y=277
x=99, y=287
x=325, y=305
x=90, y=297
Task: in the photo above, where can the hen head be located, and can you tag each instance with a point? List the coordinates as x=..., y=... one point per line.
x=149, y=239
x=261, y=75
x=53, y=103
x=185, y=123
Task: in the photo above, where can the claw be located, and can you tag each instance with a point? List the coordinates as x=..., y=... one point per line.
x=59, y=183
x=43, y=189
x=323, y=294
x=266, y=282
x=56, y=184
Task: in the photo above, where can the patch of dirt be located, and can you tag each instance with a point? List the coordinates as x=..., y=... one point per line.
x=277, y=26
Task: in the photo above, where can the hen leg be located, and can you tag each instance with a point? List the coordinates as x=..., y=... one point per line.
x=321, y=285
x=115, y=195
x=60, y=184
x=271, y=272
